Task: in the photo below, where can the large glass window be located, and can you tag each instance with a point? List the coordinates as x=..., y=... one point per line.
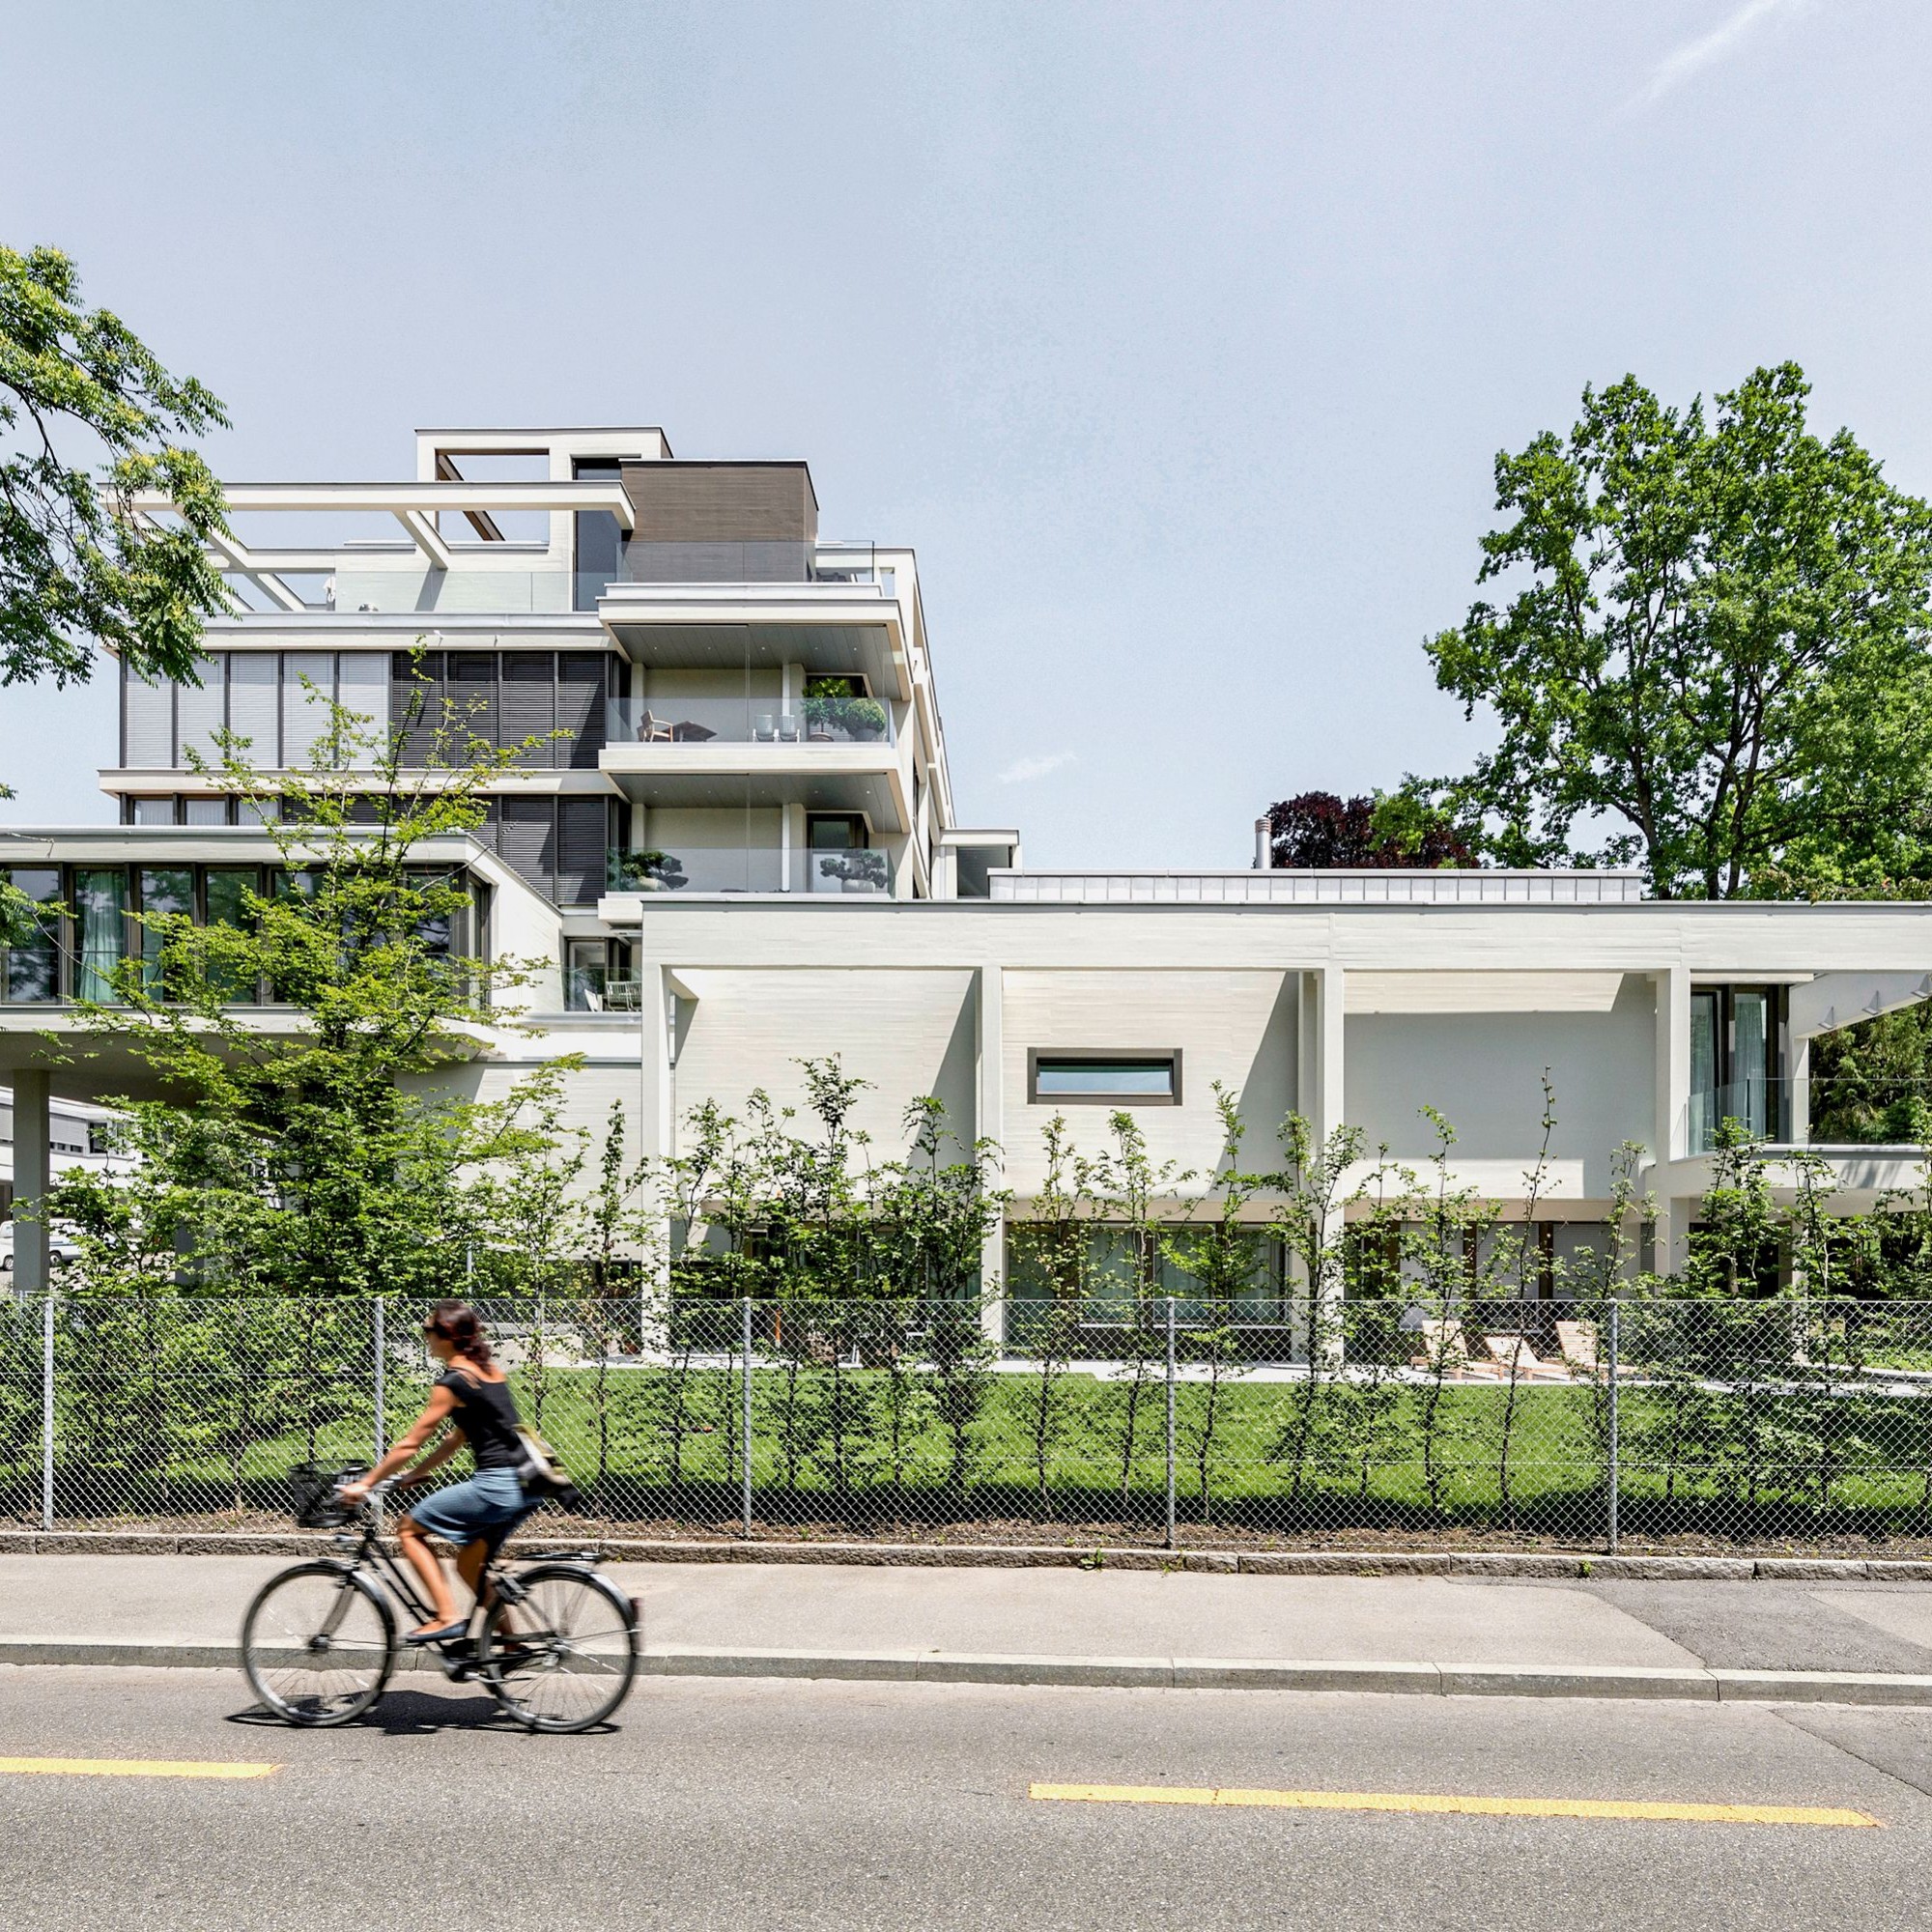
x=164, y=890
x=101, y=931
x=32, y=963
x=226, y=888
x=1736, y=1062
x=600, y=540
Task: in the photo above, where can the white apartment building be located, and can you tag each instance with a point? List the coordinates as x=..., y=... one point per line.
x=736, y=847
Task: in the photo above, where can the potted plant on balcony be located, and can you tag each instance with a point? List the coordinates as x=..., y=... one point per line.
x=648, y=872
x=825, y=703
x=858, y=871
x=865, y=718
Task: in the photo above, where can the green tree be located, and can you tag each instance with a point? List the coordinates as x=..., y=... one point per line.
x=320, y=1157
x=1712, y=659
x=79, y=568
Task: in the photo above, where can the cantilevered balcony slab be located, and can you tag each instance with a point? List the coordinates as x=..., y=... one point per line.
x=827, y=628
x=863, y=777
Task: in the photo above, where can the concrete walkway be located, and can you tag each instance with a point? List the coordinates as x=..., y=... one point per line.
x=1858, y=1642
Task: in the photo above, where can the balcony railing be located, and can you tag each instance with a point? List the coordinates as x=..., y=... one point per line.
x=860, y=871
x=1761, y=1106
x=748, y=720
x=388, y=584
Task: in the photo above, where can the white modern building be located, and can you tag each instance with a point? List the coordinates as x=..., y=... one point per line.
x=736, y=847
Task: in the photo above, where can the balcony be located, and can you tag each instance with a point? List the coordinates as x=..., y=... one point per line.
x=749, y=721
x=835, y=753
x=388, y=579
x=857, y=873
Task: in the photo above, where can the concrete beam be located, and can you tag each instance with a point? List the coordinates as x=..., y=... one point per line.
x=1835, y=1000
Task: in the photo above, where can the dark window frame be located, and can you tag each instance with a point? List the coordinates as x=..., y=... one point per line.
x=1126, y=1055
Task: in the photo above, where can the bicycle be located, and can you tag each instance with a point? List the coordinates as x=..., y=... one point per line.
x=554, y=1642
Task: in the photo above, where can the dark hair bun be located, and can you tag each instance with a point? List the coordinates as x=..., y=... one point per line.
x=459, y=1325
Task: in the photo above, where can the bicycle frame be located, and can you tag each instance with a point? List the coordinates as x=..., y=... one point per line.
x=400, y=1582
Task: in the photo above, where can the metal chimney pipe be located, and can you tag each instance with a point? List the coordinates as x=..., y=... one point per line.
x=1263, y=854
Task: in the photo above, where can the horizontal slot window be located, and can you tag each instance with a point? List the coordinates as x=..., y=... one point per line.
x=1127, y=1079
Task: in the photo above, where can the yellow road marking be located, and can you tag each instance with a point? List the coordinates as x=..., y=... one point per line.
x=1431, y=1801
x=131, y=1767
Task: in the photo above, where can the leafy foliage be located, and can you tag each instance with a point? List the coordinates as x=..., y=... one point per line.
x=1320, y=831
x=1713, y=661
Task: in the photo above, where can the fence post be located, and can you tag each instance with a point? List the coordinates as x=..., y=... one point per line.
x=48, y=1411
x=744, y=1416
x=378, y=1352
x=1612, y=1472
x=1170, y=1422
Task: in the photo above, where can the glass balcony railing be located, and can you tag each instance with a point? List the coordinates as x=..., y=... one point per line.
x=391, y=583
x=748, y=720
x=590, y=989
x=1760, y=1106
x=857, y=870
x=749, y=868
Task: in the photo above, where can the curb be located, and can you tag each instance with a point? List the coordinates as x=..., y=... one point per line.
x=1138, y=1673
x=1050, y=1556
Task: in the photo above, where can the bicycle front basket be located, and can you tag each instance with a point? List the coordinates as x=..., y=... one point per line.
x=313, y=1493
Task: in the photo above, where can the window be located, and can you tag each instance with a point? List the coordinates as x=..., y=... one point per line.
x=600, y=539
x=32, y=963
x=1124, y=1079
x=1737, y=1063
x=100, y=927
x=169, y=890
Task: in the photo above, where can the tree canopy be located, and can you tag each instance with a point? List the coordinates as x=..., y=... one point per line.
x=1318, y=830
x=1712, y=655
x=79, y=568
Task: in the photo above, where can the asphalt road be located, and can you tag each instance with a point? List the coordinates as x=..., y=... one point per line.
x=724, y=1805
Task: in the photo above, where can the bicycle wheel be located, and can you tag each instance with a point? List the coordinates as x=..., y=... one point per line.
x=563, y=1655
x=318, y=1644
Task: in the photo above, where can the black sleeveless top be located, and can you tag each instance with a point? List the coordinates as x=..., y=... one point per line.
x=488, y=1418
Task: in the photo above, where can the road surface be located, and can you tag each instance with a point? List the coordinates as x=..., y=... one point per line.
x=766, y=1803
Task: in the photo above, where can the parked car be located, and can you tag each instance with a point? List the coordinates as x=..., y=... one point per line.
x=62, y=1247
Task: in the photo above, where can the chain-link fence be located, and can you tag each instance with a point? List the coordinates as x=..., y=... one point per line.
x=1572, y=1424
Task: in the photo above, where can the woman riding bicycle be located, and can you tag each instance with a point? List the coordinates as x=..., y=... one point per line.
x=476, y=1514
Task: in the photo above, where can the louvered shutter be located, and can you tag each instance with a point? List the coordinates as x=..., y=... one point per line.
x=584, y=828
x=580, y=707
x=528, y=840
x=526, y=704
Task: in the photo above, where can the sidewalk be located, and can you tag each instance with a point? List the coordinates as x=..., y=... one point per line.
x=1842, y=1641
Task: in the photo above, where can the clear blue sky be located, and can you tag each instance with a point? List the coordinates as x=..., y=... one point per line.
x=1179, y=340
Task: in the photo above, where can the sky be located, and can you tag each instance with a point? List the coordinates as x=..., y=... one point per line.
x=1178, y=340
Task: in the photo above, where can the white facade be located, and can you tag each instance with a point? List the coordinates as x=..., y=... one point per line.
x=736, y=848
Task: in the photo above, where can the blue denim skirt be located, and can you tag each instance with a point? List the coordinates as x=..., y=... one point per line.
x=490, y=1505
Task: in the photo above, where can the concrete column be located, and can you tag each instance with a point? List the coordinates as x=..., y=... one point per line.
x=31, y=1173
x=1670, y=1234
x=1670, y=1131
x=1321, y=1076
x=656, y=1129
x=1798, y=1124
x=989, y=1038
x=1671, y=1134
x=656, y=1124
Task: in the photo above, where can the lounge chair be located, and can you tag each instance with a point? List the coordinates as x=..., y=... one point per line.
x=1513, y=1354
x=1440, y=1342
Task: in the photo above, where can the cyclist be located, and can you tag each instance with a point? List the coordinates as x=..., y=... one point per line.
x=479, y=1514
